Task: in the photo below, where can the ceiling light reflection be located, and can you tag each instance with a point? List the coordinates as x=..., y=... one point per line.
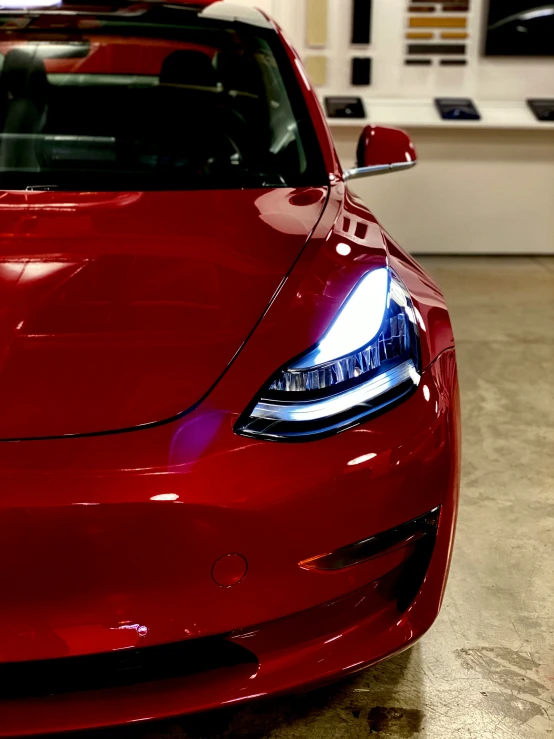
x=343, y=249
x=361, y=460
x=420, y=320
x=245, y=697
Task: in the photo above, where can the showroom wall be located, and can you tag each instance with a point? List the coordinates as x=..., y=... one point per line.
x=482, y=186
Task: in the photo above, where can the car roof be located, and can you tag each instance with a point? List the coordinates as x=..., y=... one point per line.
x=231, y=12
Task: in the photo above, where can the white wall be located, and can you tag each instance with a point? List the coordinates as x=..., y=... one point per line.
x=265, y=5
x=474, y=191
x=483, y=77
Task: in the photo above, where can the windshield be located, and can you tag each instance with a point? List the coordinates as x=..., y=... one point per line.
x=149, y=97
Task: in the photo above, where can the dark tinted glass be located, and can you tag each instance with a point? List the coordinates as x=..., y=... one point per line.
x=520, y=28
x=149, y=97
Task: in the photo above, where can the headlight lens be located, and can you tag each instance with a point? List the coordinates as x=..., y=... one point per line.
x=366, y=360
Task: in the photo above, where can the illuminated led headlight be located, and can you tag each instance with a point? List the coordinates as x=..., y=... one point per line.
x=367, y=359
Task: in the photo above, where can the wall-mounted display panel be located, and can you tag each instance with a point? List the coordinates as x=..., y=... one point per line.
x=520, y=28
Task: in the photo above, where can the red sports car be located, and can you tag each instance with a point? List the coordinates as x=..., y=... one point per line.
x=229, y=412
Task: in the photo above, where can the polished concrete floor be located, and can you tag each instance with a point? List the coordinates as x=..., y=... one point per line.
x=486, y=669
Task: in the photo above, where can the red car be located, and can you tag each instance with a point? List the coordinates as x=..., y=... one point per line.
x=229, y=404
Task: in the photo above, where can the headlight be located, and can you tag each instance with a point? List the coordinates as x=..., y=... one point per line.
x=366, y=360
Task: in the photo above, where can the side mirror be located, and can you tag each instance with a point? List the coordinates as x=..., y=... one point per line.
x=381, y=150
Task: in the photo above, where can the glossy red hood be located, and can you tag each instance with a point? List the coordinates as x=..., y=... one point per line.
x=121, y=309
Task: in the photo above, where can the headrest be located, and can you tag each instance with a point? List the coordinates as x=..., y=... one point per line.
x=24, y=76
x=188, y=67
x=238, y=73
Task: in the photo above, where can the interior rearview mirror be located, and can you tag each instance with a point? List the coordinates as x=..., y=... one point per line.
x=380, y=150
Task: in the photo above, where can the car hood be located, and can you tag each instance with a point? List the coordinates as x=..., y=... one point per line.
x=123, y=309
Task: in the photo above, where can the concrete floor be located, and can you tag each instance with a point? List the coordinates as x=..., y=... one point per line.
x=486, y=669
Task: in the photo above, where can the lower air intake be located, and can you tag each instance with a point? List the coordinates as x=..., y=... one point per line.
x=122, y=667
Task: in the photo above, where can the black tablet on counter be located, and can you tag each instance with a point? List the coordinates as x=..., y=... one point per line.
x=457, y=109
x=344, y=107
x=543, y=109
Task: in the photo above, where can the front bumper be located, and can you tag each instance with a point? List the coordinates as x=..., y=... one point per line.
x=108, y=544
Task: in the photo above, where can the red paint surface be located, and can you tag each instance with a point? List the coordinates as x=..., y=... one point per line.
x=119, y=309
x=137, y=304
x=229, y=570
x=384, y=145
x=86, y=551
x=107, y=55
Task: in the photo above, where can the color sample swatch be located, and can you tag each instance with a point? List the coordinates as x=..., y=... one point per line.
x=317, y=20
x=361, y=21
x=420, y=35
x=425, y=21
x=316, y=68
x=361, y=71
x=454, y=49
x=438, y=22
